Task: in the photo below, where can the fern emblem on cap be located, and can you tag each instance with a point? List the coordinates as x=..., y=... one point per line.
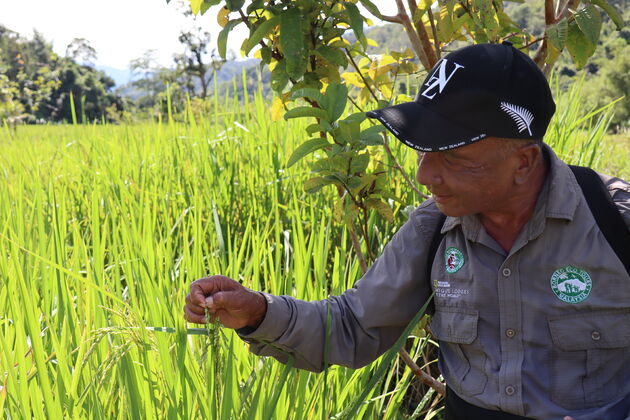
x=521, y=116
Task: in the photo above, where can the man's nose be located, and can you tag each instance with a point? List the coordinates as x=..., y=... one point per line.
x=428, y=172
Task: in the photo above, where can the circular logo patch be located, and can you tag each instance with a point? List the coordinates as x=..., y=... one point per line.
x=453, y=259
x=571, y=284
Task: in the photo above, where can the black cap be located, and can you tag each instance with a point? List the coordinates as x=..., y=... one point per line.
x=483, y=90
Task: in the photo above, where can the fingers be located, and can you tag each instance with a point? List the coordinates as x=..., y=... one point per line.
x=197, y=309
x=194, y=317
x=201, y=297
x=202, y=288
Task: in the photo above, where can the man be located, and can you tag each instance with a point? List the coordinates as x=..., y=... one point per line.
x=532, y=306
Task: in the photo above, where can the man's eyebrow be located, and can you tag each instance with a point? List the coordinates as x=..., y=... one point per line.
x=456, y=154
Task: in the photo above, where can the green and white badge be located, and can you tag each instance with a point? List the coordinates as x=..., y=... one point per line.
x=571, y=284
x=453, y=260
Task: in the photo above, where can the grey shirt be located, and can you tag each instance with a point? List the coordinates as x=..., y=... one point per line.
x=542, y=331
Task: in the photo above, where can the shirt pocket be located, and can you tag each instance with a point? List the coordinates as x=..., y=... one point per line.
x=590, y=358
x=462, y=360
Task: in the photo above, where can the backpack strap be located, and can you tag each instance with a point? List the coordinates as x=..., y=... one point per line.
x=605, y=212
x=433, y=247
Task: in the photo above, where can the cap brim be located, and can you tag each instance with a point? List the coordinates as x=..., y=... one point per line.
x=422, y=129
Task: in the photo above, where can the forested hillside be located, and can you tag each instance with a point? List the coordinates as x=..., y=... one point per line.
x=36, y=84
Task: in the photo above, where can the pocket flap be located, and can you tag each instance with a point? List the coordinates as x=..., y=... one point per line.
x=455, y=325
x=593, y=330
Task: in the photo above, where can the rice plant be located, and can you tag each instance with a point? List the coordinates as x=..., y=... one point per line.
x=103, y=228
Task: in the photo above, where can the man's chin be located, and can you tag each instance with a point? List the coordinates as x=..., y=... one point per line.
x=450, y=210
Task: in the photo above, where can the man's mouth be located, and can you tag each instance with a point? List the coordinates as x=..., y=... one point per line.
x=439, y=197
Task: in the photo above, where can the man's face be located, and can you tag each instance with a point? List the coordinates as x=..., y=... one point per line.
x=477, y=178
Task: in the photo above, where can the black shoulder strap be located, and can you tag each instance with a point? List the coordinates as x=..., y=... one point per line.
x=433, y=247
x=605, y=212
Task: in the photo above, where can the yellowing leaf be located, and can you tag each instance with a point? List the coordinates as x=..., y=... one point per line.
x=407, y=54
x=353, y=79
x=402, y=98
x=222, y=17
x=195, y=5
x=339, y=43
x=382, y=66
x=372, y=43
x=364, y=62
x=277, y=109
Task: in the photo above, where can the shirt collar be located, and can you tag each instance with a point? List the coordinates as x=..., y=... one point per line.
x=558, y=199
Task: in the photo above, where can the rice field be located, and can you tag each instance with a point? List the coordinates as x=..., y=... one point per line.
x=103, y=228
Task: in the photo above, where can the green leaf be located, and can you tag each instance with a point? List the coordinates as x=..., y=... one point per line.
x=317, y=128
x=381, y=207
x=310, y=93
x=372, y=136
x=279, y=77
x=292, y=42
x=305, y=148
x=557, y=34
x=223, y=36
x=306, y=111
x=255, y=5
x=611, y=11
x=336, y=98
x=234, y=5
x=263, y=29
x=208, y=4
x=356, y=117
x=489, y=19
x=356, y=22
x=333, y=55
x=359, y=163
x=265, y=54
x=332, y=165
x=371, y=8
x=579, y=46
x=315, y=184
x=590, y=22
x=347, y=131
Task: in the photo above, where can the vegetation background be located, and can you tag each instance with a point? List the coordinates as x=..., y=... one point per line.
x=113, y=201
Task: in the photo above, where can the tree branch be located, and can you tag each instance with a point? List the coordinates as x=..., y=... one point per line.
x=570, y=5
x=392, y=19
x=436, y=42
x=357, y=248
x=421, y=31
x=551, y=18
x=354, y=64
x=427, y=379
x=413, y=36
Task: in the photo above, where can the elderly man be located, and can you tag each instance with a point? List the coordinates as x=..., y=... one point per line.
x=532, y=302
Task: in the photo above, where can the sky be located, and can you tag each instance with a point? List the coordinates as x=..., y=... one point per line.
x=119, y=30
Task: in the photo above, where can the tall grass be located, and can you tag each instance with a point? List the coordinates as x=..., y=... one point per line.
x=102, y=229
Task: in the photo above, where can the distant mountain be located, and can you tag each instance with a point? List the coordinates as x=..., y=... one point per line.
x=120, y=76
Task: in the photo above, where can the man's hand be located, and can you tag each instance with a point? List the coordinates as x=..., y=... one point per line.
x=234, y=305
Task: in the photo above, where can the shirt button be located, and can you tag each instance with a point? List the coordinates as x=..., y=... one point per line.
x=510, y=390
x=595, y=335
x=510, y=332
x=507, y=272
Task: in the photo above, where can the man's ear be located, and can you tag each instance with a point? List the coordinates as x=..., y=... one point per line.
x=529, y=158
